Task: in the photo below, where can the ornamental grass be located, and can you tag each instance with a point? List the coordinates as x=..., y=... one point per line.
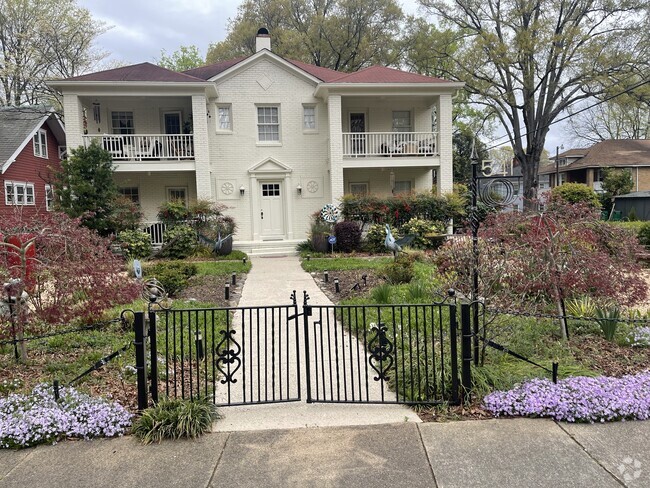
x=576, y=399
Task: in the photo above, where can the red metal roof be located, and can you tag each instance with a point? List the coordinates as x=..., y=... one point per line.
x=138, y=72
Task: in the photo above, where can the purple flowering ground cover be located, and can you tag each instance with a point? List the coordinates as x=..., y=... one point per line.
x=37, y=418
x=576, y=399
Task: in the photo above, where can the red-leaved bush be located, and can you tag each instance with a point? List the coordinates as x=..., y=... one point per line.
x=529, y=261
x=73, y=275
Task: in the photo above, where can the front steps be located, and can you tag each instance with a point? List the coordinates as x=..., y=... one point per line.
x=268, y=248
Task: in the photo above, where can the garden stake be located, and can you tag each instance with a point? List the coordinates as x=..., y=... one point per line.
x=234, y=278
x=336, y=285
x=200, y=353
x=57, y=393
x=308, y=257
x=227, y=292
x=364, y=277
x=243, y=260
x=326, y=276
x=555, y=366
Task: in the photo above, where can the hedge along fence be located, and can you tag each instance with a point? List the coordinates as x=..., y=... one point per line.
x=372, y=209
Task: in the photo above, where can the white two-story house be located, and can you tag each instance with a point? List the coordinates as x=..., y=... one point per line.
x=273, y=139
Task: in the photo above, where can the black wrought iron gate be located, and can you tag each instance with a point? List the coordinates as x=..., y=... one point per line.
x=348, y=354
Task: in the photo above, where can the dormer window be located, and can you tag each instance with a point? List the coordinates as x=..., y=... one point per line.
x=40, y=144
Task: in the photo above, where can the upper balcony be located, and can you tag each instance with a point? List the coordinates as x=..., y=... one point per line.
x=406, y=148
x=148, y=152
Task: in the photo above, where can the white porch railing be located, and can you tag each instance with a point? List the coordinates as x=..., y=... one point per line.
x=390, y=144
x=145, y=147
x=156, y=230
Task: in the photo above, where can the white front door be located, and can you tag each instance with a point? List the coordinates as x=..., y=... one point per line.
x=272, y=211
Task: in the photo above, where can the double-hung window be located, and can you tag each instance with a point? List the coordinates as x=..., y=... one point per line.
x=309, y=118
x=224, y=122
x=402, y=121
x=49, y=198
x=40, y=144
x=268, y=124
x=131, y=192
x=122, y=123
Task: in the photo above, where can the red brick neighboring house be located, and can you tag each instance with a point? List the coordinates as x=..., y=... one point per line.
x=31, y=142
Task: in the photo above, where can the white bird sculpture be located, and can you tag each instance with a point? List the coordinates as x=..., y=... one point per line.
x=395, y=246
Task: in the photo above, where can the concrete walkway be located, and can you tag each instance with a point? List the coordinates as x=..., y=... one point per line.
x=271, y=282
x=507, y=453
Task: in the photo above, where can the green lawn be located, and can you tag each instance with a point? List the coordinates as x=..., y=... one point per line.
x=338, y=264
x=219, y=268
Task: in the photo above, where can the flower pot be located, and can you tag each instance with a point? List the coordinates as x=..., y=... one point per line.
x=226, y=246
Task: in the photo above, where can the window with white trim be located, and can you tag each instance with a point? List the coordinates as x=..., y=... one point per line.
x=402, y=121
x=177, y=193
x=309, y=117
x=40, y=144
x=359, y=189
x=49, y=198
x=131, y=192
x=402, y=187
x=268, y=124
x=224, y=118
x=19, y=193
x=122, y=123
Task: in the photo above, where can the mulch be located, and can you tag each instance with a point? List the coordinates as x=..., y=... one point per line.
x=609, y=358
x=351, y=283
x=210, y=289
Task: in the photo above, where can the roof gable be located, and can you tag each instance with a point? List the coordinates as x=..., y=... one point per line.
x=270, y=165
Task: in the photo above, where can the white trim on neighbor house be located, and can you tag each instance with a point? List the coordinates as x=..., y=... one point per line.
x=49, y=198
x=19, y=193
x=29, y=139
x=39, y=142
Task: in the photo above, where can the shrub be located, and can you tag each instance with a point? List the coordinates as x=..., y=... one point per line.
x=608, y=319
x=175, y=419
x=173, y=212
x=644, y=234
x=424, y=231
x=375, y=237
x=381, y=293
x=575, y=193
x=640, y=337
x=37, y=418
x=173, y=276
x=399, y=271
x=180, y=242
x=418, y=292
x=577, y=399
x=348, y=236
x=135, y=244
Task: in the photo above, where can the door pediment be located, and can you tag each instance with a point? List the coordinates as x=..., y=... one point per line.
x=270, y=166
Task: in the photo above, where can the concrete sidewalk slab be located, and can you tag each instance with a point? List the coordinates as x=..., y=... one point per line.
x=377, y=456
x=119, y=462
x=623, y=448
x=10, y=459
x=509, y=453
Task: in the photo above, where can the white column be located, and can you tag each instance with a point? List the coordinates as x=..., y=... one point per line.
x=74, y=125
x=201, y=147
x=336, y=147
x=446, y=170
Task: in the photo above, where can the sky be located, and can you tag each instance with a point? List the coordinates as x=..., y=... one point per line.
x=140, y=29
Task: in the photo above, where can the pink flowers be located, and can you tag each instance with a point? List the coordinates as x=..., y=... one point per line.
x=577, y=399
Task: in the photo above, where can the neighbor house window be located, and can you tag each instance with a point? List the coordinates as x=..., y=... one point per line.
x=17, y=193
x=309, y=117
x=49, y=198
x=268, y=124
x=224, y=118
x=402, y=121
x=132, y=193
x=40, y=144
x=122, y=122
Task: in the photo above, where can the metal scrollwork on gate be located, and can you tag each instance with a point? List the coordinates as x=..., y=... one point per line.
x=227, y=355
x=381, y=349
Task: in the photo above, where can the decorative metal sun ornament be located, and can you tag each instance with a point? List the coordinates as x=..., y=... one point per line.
x=495, y=185
x=330, y=213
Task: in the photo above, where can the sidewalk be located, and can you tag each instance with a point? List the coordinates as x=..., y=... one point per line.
x=492, y=453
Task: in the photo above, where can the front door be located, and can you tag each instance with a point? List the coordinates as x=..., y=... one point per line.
x=272, y=211
x=358, y=126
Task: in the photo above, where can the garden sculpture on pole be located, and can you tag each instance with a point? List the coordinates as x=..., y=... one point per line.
x=395, y=246
x=215, y=245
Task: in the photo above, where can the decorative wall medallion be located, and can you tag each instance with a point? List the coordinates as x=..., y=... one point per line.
x=312, y=187
x=227, y=188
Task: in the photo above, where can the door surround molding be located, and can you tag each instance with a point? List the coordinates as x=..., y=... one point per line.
x=271, y=169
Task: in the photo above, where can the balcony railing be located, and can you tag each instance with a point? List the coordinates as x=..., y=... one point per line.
x=132, y=147
x=390, y=144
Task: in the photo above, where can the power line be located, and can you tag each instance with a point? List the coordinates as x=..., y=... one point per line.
x=584, y=109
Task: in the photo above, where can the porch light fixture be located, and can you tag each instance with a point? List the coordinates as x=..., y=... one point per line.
x=242, y=190
x=299, y=189
x=97, y=114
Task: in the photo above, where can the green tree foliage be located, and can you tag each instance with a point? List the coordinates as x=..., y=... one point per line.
x=184, y=58
x=615, y=182
x=573, y=193
x=42, y=40
x=462, y=144
x=85, y=187
x=532, y=60
x=343, y=35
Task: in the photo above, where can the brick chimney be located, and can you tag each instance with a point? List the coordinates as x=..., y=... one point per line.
x=262, y=40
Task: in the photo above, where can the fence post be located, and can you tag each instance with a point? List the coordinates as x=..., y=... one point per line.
x=466, y=349
x=153, y=345
x=453, y=339
x=141, y=359
x=306, y=313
